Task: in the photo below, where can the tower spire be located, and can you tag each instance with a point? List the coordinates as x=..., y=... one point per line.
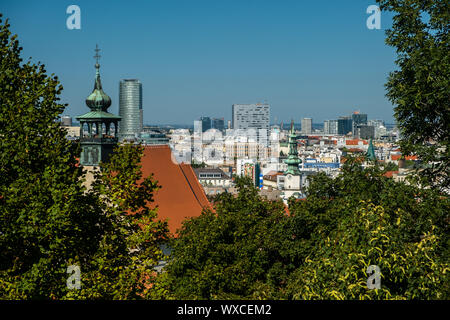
x=292, y=161
x=98, y=134
x=98, y=99
x=97, y=56
x=370, y=154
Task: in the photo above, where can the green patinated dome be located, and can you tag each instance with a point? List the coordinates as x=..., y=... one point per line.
x=98, y=100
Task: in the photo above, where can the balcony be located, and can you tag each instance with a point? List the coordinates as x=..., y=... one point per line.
x=97, y=139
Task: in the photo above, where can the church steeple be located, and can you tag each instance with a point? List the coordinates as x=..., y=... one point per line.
x=98, y=100
x=293, y=160
x=370, y=154
x=98, y=135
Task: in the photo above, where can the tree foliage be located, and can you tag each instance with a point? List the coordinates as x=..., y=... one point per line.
x=420, y=88
x=226, y=253
x=45, y=216
x=363, y=218
x=48, y=220
x=336, y=269
x=321, y=249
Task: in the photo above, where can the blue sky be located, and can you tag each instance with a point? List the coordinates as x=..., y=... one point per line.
x=196, y=58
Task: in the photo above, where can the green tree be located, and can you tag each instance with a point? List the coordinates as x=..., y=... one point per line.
x=130, y=246
x=362, y=218
x=336, y=269
x=45, y=216
x=420, y=88
x=48, y=220
x=232, y=252
x=195, y=164
x=321, y=249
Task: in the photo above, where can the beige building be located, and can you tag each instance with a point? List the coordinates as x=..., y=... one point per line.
x=72, y=131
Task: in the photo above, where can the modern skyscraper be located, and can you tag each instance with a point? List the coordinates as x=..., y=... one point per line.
x=380, y=129
x=306, y=126
x=252, y=116
x=206, y=123
x=332, y=127
x=376, y=123
x=218, y=123
x=98, y=135
x=358, y=119
x=326, y=127
x=345, y=125
x=130, y=109
x=365, y=132
x=247, y=116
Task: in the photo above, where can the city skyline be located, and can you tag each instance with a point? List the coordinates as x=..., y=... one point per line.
x=200, y=59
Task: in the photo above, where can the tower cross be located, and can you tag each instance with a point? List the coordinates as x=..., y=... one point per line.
x=97, y=56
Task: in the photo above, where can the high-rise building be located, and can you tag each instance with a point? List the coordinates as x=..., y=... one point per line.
x=98, y=134
x=380, y=128
x=229, y=124
x=206, y=123
x=252, y=116
x=333, y=127
x=218, y=123
x=66, y=121
x=326, y=127
x=376, y=123
x=365, y=132
x=306, y=126
x=247, y=116
x=130, y=109
x=330, y=127
x=358, y=119
x=345, y=125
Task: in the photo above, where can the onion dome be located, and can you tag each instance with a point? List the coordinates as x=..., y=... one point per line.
x=98, y=100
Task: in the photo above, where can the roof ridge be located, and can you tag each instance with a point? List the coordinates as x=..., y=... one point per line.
x=157, y=146
x=181, y=165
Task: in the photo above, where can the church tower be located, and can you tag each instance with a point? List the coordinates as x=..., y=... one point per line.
x=293, y=177
x=292, y=161
x=370, y=154
x=98, y=135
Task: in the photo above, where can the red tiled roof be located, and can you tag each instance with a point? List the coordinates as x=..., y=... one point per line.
x=273, y=173
x=355, y=150
x=358, y=159
x=354, y=142
x=390, y=174
x=180, y=196
x=398, y=156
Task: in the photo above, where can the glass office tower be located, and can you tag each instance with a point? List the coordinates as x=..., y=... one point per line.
x=130, y=109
